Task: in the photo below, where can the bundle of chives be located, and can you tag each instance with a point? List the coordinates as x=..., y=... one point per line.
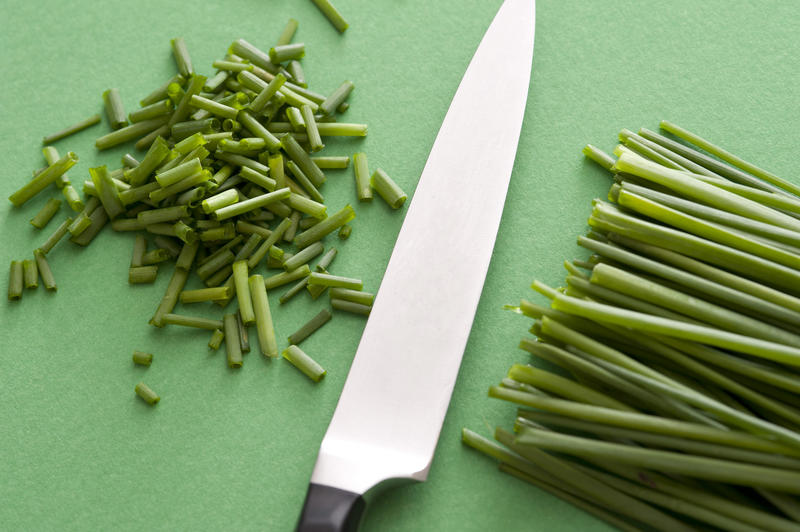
x=214, y=191
x=678, y=344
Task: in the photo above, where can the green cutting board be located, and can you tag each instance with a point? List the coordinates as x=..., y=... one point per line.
x=233, y=450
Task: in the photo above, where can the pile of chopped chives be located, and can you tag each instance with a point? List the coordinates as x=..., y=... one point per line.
x=669, y=394
x=230, y=183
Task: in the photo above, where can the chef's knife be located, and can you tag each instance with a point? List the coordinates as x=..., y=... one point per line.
x=392, y=407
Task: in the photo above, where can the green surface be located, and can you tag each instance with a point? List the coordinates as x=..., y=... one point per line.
x=234, y=449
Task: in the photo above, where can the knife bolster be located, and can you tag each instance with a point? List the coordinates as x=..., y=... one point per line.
x=329, y=509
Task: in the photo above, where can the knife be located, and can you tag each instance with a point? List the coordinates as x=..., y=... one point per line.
x=390, y=413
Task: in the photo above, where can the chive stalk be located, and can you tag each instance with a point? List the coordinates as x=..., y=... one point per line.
x=232, y=345
x=46, y=213
x=44, y=179
x=129, y=133
x=115, y=111
x=324, y=227
x=216, y=339
x=304, y=363
x=387, y=189
x=80, y=126
x=263, y=316
x=361, y=171
x=192, y=321
x=147, y=394
x=30, y=273
x=204, y=294
x=332, y=14
x=46, y=274
x=310, y=327
x=15, y=280
x=142, y=359
x=351, y=307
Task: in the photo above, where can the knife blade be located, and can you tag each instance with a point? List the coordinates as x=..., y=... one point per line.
x=390, y=413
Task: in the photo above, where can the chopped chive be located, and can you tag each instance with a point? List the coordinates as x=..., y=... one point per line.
x=231, y=66
x=287, y=52
x=361, y=171
x=148, y=396
x=293, y=291
x=244, y=335
x=344, y=232
x=296, y=119
x=139, y=249
x=181, y=55
x=314, y=139
x=73, y=199
x=178, y=173
x=310, y=327
x=145, y=142
x=263, y=316
x=270, y=241
x=324, y=279
x=44, y=271
x=324, y=227
x=349, y=306
x=169, y=245
x=30, y=273
x=204, y=294
x=598, y=156
x=336, y=98
x=216, y=339
x=129, y=133
x=356, y=296
x=207, y=126
x=307, y=206
x=250, y=204
x=331, y=161
x=306, y=184
x=161, y=92
x=297, y=154
x=243, y=296
x=80, y=126
x=308, y=221
x=141, y=358
x=129, y=161
x=296, y=71
x=257, y=178
x=192, y=321
x=114, y=109
x=257, y=130
x=232, y=346
x=287, y=33
x=53, y=239
x=215, y=108
x=295, y=99
x=340, y=129
x=303, y=256
x=283, y=278
x=304, y=363
x=223, y=199
x=175, y=92
x=154, y=110
x=387, y=189
x=247, y=51
x=142, y=274
x=107, y=191
x=164, y=214
x=168, y=302
x=46, y=213
x=15, y=280
x=332, y=14
x=204, y=271
x=44, y=179
x=183, y=107
x=127, y=224
x=215, y=83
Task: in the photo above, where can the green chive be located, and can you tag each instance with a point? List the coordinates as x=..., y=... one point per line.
x=349, y=306
x=223, y=199
x=114, y=109
x=107, y=191
x=316, y=278
x=170, y=299
x=15, y=280
x=268, y=243
x=139, y=249
x=232, y=345
x=83, y=124
x=247, y=51
x=46, y=213
x=287, y=33
x=148, y=396
x=356, y=296
x=53, y=239
x=98, y=219
x=192, y=321
x=297, y=154
x=307, y=206
x=142, y=274
x=41, y=181
x=296, y=71
x=314, y=139
x=30, y=273
x=181, y=55
x=216, y=339
x=129, y=133
x=286, y=277
x=258, y=130
x=141, y=358
x=157, y=152
x=331, y=161
x=243, y=292
x=344, y=232
x=44, y=271
x=183, y=107
x=310, y=327
x=161, y=92
x=336, y=98
x=286, y=52
x=231, y=66
x=387, y=189
x=204, y=294
x=250, y=204
x=324, y=227
x=263, y=316
x=332, y=14
x=306, y=184
x=304, y=363
x=361, y=171
x=339, y=129
x=257, y=178
x=154, y=110
x=303, y=256
x=215, y=108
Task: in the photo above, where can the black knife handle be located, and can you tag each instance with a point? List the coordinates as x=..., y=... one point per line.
x=329, y=509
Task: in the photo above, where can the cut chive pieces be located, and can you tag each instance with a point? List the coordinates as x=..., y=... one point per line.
x=44, y=179
x=98, y=220
x=83, y=124
x=324, y=227
x=170, y=299
x=283, y=278
x=217, y=201
x=344, y=232
x=349, y=306
x=181, y=55
x=297, y=154
x=263, y=316
x=303, y=256
x=304, y=363
x=107, y=191
x=251, y=204
x=115, y=111
x=230, y=66
x=325, y=279
x=46, y=213
x=310, y=327
x=169, y=245
x=216, y=339
x=361, y=171
x=257, y=130
x=307, y=186
x=142, y=359
x=232, y=346
x=314, y=139
x=356, y=296
x=178, y=173
x=331, y=161
x=336, y=98
x=154, y=110
x=157, y=152
x=139, y=249
x=161, y=92
x=287, y=52
x=387, y=189
x=215, y=108
x=60, y=231
x=240, y=280
x=148, y=396
x=46, y=274
x=142, y=274
x=247, y=51
x=30, y=273
x=332, y=14
x=15, y=280
x=205, y=294
x=297, y=73
x=244, y=335
x=339, y=129
x=192, y=321
x=129, y=133
x=306, y=206
x=287, y=33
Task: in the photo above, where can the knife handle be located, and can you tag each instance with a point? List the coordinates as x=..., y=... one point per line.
x=329, y=509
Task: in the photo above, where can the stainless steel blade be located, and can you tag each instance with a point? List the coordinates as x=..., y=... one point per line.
x=391, y=410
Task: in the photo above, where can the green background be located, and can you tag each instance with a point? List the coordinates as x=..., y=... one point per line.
x=234, y=449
